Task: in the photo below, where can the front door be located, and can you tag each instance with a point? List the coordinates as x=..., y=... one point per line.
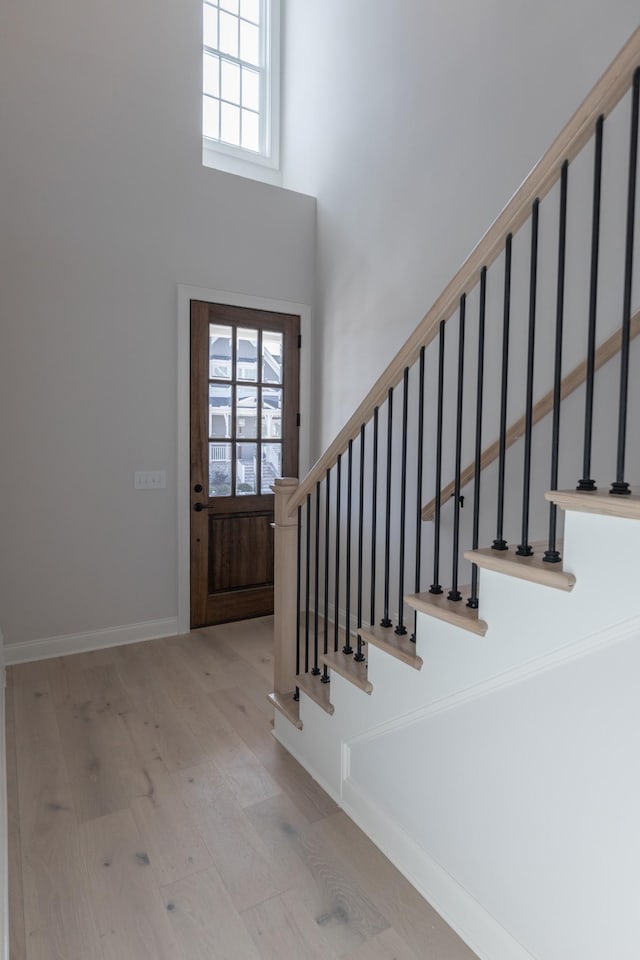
x=244, y=434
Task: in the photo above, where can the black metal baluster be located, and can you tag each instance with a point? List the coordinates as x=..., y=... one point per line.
x=374, y=515
x=586, y=483
x=348, y=649
x=386, y=622
x=316, y=613
x=307, y=584
x=454, y=593
x=359, y=655
x=327, y=532
x=524, y=548
x=296, y=695
x=400, y=627
x=419, y=469
x=435, y=586
x=500, y=543
x=552, y=554
x=620, y=485
x=336, y=610
x=472, y=602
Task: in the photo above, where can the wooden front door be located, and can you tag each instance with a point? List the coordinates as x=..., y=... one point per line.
x=244, y=434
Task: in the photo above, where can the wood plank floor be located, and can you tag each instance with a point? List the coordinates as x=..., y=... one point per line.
x=153, y=816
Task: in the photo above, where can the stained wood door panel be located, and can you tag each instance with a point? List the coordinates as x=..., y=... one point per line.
x=240, y=552
x=244, y=434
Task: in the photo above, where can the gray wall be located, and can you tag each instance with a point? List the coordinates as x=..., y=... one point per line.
x=104, y=208
x=413, y=123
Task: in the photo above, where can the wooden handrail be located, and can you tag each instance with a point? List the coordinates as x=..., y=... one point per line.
x=571, y=382
x=605, y=95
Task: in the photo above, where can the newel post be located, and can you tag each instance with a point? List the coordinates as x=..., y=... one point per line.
x=285, y=586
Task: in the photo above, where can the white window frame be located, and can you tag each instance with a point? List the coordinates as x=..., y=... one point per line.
x=224, y=156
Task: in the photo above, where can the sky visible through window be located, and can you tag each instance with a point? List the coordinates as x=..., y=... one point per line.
x=233, y=73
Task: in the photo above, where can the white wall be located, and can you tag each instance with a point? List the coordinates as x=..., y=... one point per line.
x=413, y=123
x=105, y=208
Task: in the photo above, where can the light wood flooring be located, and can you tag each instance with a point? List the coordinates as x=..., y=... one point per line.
x=154, y=817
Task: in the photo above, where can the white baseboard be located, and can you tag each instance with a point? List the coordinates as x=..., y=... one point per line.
x=84, y=642
x=479, y=930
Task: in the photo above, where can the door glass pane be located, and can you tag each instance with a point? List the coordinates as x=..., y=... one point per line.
x=219, y=410
x=219, y=352
x=246, y=469
x=271, y=465
x=271, y=413
x=247, y=354
x=271, y=357
x=246, y=412
x=219, y=469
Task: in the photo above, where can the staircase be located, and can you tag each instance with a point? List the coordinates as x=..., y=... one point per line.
x=483, y=733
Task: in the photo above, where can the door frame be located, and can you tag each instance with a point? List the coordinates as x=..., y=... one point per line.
x=186, y=294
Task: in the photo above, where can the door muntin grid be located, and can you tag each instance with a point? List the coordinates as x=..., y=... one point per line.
x=246, y=409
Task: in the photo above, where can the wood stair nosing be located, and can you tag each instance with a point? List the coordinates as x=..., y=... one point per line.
x=455, y=612
x=288, y=706
x=316, y=690
x=597, y=501
x=533, y=569
x=348, y=668
x=400, y=647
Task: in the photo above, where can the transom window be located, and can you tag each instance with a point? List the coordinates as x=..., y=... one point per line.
x=239, y=78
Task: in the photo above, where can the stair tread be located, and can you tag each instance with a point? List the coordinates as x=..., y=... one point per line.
x=318, y=691
x=400, y=647
x=347, y=667
x=534, y=569
x=597, y=501
x=451, y=611
x=287, y=706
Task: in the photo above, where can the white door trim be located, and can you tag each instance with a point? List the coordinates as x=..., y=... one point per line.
x=185, y=295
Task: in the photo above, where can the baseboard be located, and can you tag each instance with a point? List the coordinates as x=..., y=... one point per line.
x=94, y=640
x=479, y=930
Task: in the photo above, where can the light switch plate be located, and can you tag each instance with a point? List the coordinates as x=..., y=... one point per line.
x=150, y=479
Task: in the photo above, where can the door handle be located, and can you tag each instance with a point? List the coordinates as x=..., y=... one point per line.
x=198, y=507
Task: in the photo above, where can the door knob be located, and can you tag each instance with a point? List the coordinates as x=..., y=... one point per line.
x=198, y=507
